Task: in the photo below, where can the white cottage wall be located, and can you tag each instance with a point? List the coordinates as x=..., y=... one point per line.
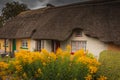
x=32, y=45
x=94, y=45
x=47, y=45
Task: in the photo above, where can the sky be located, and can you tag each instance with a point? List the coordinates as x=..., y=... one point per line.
x=35, y=4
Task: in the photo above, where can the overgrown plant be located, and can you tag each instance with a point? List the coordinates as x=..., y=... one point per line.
x=110, y=67
x=51, y=66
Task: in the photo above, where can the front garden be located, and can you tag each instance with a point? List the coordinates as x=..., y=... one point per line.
x=51, y=66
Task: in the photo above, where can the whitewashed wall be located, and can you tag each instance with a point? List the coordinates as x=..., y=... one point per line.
x=47, y=45
x=94, y=46
x=32, y=45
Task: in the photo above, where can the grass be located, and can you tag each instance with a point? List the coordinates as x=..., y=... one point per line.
x=110, y=65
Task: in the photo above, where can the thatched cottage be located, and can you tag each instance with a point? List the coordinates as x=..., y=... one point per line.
x=93, y=26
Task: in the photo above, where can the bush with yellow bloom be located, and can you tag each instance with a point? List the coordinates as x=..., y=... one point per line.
x=51, y=66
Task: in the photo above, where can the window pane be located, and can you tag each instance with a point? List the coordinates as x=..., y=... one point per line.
x=42, y=44
x=77, y=45
x=78, y=33
x=6, y=43
x=24, y=43
x=73, y=46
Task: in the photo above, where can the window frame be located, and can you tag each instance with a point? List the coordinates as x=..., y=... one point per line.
x=55, y=45
x=24, y=44
x=84, y=46
x=40, y=45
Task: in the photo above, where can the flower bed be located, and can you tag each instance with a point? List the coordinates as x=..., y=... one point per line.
x=51, y=66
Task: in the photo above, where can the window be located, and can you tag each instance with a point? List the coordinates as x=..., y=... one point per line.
x=24, y=43
x=55, y=45
x=6, y=43
x=78, y=33
x=40, y=45
x=77, y=45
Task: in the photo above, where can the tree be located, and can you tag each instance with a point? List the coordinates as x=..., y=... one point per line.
x=12, y=9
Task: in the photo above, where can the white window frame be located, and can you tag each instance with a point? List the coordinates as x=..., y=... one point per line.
x=79, y=44
x=24, y=43
x=42, y=44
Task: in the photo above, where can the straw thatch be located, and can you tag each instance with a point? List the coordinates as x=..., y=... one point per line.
x=21, y=26
x=98, y=19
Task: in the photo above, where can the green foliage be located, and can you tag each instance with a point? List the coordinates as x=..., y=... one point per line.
x=58, y=70
x=12, y=9
x=110, y=65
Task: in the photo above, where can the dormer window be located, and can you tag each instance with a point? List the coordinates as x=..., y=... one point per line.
x=78, y=33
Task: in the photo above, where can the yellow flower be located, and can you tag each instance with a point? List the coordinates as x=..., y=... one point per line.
x=44, y=58
x=53, y=56
x=16, y=62
x=24, y=75
x=102, y=78
x=45, y=52
x=39, y=71
x=3, y=65
x=18, y=68
x=89, y=77
x=93, y=69
x=71, y=57
x=79, y=53
x=44, y=64
x=59, y=52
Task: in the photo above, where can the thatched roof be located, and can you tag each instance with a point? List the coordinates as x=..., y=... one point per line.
x=97, y=19
x=21, y=26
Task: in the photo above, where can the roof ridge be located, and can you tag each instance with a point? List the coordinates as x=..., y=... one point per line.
x=101, y=2
x=95, y=2
x=73, y=4
x=40, y=10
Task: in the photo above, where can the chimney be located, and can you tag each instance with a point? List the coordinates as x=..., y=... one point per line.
x=50, y=5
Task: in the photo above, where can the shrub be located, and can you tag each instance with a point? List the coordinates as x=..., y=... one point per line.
x=110, y=67
x=51, y=66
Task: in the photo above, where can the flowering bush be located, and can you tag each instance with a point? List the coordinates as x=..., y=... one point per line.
x=51, y=66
